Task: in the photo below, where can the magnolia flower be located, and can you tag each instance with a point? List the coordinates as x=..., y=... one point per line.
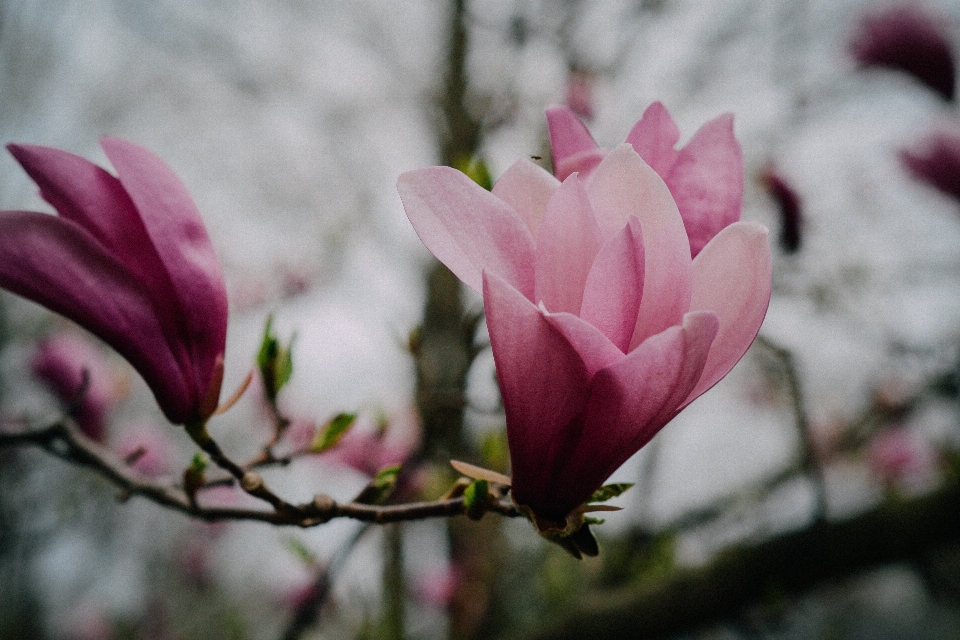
x=128, y=259
x=76, y=372
x=602, y=325
x=705, y=178
x=935, y=159
x=788, y=202
x=909, y=39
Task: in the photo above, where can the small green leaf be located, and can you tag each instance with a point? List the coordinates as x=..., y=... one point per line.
x=330, y=434
x=274, y=361
x=608, y=491
x=475, y=169
x=300, y=551
x=589, y=520
x=380, y=488
x=199, y=462
x=476, y=498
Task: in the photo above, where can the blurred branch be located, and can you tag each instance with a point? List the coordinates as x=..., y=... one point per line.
x=896, y=531
x=68, y=443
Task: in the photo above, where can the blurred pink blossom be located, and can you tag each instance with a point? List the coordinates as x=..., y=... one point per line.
x=788, y=204
x=580, y=93
x=935, y=159
x=437, y=587
x=908, y=38
x=61, y=361
x=897, y=455
x=146, y=448
x=369, y=447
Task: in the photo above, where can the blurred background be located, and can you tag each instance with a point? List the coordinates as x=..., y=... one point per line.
x=812, y=494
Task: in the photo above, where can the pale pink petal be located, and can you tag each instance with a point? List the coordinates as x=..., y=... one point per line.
x=56, y=263
x=468, y=228
x=571, y=144
x=632, y=399
x=595, y=349
x=611, y=297
x=655, y=137
x=527, y=188
x=180, y=239
x=542, y=380
x=623, y=186
x=707, y=181
x=566, y=248
x=732, y=277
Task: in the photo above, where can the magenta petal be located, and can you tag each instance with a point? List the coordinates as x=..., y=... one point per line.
x=632, y=399
x=57, y=264
x=732, y=277
x=655, y=137
x=543, y=383
x=707, y=181
x=623, y=186
x=527, y=188
x=180, y=239
x=594, y=348
x=571, y=144
x=611, y=297
x=566, y=248
x=83, y=192
x=468, y=228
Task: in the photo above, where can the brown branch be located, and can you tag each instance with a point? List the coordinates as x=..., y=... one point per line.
x=65, y=441
x=897, y=531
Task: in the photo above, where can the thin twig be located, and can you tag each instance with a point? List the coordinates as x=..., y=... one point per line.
x=65, y=441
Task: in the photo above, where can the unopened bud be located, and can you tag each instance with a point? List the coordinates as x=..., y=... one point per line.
x=251, y=481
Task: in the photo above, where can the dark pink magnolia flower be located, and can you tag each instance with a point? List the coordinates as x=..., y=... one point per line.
x=62, y=361
x=788, y=203
x=705, y=178
x=602, y=325
x=935, y=159
x=128, y=259
x=907, y=38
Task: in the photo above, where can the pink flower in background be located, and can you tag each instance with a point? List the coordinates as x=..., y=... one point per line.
x=705, y=178
x=788, y=203
x=61, y=362
x=897, y=456
x=602, y=326
x=146, y=449
x=129, y=260
x=909, y=39
x=580, y=93
x=935, y=160
x=368, y=449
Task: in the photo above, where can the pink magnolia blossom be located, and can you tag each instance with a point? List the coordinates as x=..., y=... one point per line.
x=62, y=361
x=128, y=259
x=911, y=39
x=705, y=178
x=602, y=325
x=935, y=159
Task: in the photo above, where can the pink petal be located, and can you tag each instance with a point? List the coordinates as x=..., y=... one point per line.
x=468, y=228
x=655, y=137
x=542, y=380
x=632, y=399
x=527, y=187
x=571, y=144
x=594, y=348
x=707, y=181
x=57, y=264
x=611, y=297
x=732, y=277
x=566, y=247
x=180, y=239
x=623, y=186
